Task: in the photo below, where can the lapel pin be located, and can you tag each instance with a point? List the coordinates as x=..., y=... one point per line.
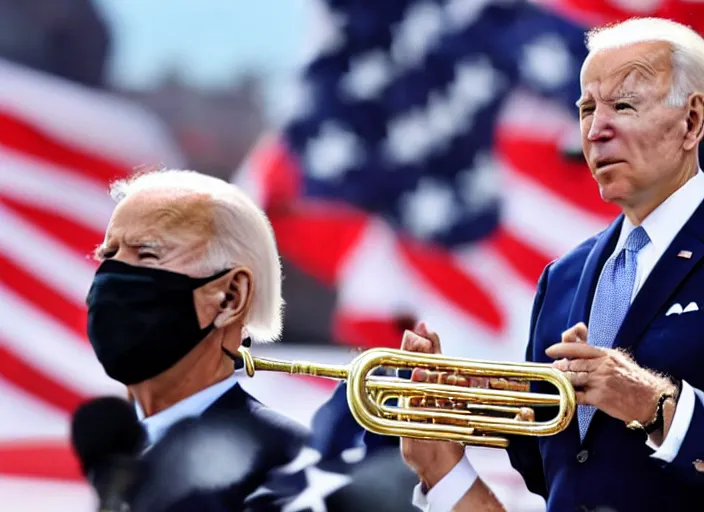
x=684, y=254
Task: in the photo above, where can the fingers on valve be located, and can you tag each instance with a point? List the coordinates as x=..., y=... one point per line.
x=575, y=334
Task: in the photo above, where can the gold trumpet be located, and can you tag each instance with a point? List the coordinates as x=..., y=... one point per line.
x=423, y=410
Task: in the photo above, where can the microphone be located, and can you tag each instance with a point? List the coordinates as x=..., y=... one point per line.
x=107, y=437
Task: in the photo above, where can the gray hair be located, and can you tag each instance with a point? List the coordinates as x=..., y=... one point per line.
x=687, y=50
x=242, y=236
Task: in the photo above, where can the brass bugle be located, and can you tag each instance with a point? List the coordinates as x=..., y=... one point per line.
x=478, y=416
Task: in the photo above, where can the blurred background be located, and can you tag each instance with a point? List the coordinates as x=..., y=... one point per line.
x=418, y=159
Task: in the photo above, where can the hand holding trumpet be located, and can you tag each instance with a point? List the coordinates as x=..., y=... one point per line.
x=608, y=379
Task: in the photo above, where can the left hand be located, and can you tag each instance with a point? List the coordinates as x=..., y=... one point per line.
x=608, y=379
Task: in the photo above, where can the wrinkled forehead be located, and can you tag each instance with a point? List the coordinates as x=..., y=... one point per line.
x=168, y=214
x=637, y=68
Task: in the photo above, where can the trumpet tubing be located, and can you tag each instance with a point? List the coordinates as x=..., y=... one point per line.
x=452, y=409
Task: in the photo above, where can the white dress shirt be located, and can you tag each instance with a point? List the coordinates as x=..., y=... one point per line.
x=192, y=406
x=662, y=225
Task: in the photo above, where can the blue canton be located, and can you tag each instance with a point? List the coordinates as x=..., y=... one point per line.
x=396, y=111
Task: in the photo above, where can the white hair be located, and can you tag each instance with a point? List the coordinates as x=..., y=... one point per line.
x=687, y=50
x=242, y=236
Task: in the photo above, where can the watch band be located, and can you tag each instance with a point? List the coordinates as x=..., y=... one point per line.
x=659, y=419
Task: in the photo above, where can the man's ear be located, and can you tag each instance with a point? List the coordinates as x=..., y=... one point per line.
x=695, y=122
x=238, y=297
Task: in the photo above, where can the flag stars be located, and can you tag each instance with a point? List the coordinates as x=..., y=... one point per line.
x=333, y=152
x=547, y=61
x=430, y=209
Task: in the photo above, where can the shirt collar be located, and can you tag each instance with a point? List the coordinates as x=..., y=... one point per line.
x=194, y=405
x=663, y=223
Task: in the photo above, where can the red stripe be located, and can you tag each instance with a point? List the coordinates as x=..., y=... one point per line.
x=438, y=268
x=76, y=236
x=277, y=171
x=542, y=162
x=22, y=136
x=43, y=296
x=23, y=375
x=525, y=259
x=366, y=331
x=39, y=459
x=317, y=236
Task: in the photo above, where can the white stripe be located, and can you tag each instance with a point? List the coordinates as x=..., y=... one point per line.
x=44, y=257
x=542, y=219
x=50, y=347
x=369, y=286
x=96, y=121
x=27, y=417
x=36, y=494
x=536, y=117
x=55, y=189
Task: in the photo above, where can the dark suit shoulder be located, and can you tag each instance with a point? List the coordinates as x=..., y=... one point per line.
x=277, y=422
x=577, y=255
x=243, y=410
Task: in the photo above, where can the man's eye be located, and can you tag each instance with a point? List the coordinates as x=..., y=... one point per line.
x=622, y=106
x=586, y=111
x=106, y=254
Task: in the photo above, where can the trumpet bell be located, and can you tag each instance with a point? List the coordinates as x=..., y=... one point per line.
x=450, y=410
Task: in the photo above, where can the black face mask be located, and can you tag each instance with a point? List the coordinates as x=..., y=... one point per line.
x=142, y=320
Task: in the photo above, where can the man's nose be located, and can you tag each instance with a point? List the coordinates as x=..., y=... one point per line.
x=600, y=128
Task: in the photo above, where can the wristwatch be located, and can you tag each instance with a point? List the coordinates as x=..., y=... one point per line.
x=659, y=419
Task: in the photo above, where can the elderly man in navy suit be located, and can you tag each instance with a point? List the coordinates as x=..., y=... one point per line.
x=620, y=314
x=189, y=272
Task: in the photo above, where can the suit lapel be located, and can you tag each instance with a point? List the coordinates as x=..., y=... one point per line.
x=598, y=255
x=663, y=281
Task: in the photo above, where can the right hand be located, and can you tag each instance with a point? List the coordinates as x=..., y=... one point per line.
x=431, y=460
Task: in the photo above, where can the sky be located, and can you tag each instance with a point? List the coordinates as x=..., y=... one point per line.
x=208, y=41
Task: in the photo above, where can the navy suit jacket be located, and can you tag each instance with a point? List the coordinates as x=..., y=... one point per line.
x=612, y=467
x=187, y=471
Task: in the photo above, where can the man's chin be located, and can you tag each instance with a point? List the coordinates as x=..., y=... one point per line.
x=613, y=195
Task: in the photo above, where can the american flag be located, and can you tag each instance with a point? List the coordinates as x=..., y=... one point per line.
x=60, y=146
x=426, y=167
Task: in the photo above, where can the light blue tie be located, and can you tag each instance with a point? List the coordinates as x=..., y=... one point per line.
x=611, y=302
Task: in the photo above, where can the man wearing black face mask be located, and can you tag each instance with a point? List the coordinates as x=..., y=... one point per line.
x=189, y=267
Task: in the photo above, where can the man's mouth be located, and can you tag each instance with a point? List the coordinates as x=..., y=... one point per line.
x=601, y=164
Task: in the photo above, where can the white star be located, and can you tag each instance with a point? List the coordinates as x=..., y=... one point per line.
x=417, y=33
x=462, y=12
x=430, y=208
x=354, y=455
x=408, y=137
x=547, y=61
x=325, y=32
x=306, y=457
x=480, y=185
x=476, y=84
x=320, y=485
x=333, y=152
x=368, y=75
x=444, y=121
